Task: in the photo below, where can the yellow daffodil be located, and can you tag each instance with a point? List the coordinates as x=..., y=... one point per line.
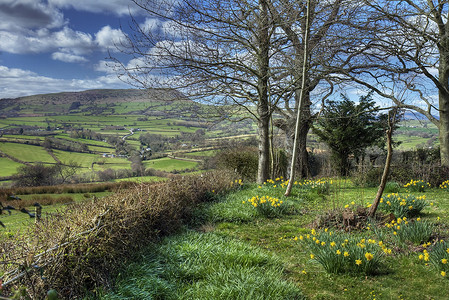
x=369, y=256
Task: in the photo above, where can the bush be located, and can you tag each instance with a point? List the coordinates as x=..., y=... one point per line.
x=392, y=187
x=370, y=178
x=243, y=161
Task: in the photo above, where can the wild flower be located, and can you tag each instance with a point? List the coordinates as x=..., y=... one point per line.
x=320, y=186
x=414, y=231
x=417, y=185
x=267, y=206
x=341, y=252
x=438, y=256
x=445, y=185
x=237, y=183
x=403, y=205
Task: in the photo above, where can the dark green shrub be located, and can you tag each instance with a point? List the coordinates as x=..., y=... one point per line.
x=243, y=161
x=392, y=187
x=369, y=178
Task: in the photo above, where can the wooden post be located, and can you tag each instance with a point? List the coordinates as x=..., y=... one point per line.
x=37, y=214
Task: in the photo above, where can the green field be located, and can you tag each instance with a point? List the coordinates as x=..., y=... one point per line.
x=8, y=167
x=85, y=160
x=203, y=153
x=27, y=153
x=169, y=164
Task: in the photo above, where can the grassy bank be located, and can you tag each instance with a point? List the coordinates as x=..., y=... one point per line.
x=401, y=274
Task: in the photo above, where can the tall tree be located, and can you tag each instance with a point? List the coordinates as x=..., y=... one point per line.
x=349, y=128
x=407, y=49
x=218, y=51
x=329, y=33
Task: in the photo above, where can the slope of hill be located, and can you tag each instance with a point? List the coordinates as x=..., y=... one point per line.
x=73, y=102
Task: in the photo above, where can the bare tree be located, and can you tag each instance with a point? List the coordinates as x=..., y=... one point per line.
x=407, y=48
x=329, y=34
x=214, y=51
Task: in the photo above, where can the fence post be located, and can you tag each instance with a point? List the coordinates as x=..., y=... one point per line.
x=37, y=214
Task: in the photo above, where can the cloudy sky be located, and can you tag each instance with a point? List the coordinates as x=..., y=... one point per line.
x=50, y=46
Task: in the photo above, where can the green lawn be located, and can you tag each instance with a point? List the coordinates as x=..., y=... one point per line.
x=27, y=153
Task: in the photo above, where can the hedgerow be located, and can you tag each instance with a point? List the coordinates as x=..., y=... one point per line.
x=83, y=247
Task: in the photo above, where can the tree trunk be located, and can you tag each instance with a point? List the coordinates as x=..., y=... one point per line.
x=383, y=181
x=303, y=156
x=444, y=108
x=263, y=169
x=444, y=134
x=263, y=108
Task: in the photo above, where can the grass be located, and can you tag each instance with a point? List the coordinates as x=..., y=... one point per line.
x=27, y=153
x=401, y=275
x=203, y=153
x=85, y=160
x=9, y=167
x=169, y=164
x=205, y=266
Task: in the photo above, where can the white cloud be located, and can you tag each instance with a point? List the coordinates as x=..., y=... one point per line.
x=151, y=24
x=17, y=82
x=108, y=38
x=67, y=57
x=66, y=40
x=46, y=40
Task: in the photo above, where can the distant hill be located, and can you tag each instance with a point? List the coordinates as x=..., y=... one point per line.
x=66, y=101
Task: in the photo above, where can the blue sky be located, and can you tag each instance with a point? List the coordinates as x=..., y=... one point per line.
x=51, y=46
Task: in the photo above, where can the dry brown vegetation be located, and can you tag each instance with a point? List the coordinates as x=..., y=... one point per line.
x=81, y=248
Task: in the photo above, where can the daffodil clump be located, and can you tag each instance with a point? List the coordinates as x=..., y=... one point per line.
x=237, y=183
x=267, y=206
x=414, y=231
x=445, y=185
x=403, y=205
x=275, y=183
x=343, y=253
x=320, y=186
x=438, y=256
x=417, y=185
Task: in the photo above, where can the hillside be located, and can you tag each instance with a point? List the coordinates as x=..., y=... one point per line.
x=110, y=131
x=73, y=102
